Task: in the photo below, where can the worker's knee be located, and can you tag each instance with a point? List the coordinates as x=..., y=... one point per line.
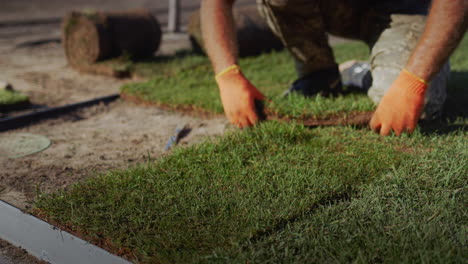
x=384, y=75
x=392, y=50
x=390, y=54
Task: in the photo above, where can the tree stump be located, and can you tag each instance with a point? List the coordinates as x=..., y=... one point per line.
x=253, y=34
x=90, y=37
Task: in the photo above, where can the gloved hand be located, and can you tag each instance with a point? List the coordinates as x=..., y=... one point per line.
x=238, y=96
x=400, y=108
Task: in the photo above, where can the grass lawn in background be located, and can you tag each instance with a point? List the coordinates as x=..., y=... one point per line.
x=284, y=193
x=187, y=82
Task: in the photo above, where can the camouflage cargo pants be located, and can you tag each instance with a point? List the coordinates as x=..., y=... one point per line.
x=390, y=28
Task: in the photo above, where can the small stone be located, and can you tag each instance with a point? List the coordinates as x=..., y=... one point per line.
x=5, y=86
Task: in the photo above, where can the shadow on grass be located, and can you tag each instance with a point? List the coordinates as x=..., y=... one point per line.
x=441, y=127
x=457, y=97
x=455, y=107
x=180, y=54
x=344, y=197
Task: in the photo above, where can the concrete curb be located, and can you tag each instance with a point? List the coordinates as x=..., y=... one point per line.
x=47, y=242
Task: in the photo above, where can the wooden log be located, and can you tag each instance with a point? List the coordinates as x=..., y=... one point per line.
x=253, y=34
x=89, y=37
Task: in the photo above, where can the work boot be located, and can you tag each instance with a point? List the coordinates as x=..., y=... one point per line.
x=324, y=82
x=356, y=76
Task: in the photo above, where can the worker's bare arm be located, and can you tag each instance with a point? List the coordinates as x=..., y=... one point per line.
x=401, y=107
x=219, y=33
x=446, y=25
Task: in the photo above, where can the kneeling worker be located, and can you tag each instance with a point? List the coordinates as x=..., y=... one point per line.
x=409, y=53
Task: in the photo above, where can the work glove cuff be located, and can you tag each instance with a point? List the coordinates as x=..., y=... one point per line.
x=411, y=83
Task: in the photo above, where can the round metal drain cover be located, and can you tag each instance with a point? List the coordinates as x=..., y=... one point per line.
x=17, y=145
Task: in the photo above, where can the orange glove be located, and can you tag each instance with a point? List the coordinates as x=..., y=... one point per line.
x=238, y=96
x=401, y=106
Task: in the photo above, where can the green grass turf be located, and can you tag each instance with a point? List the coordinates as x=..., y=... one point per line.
x=11, y=98
x=213, y=196
x=282, y=193
x=206, y=203
x=415, y=213
x=188, y=81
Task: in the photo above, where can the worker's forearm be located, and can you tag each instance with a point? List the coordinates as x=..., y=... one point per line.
x=446, y=25
x=219, y=34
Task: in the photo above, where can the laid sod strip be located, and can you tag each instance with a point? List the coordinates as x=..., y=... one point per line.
x=12, y=100
x=283, y=193
x=214, y=196
x=415, y=213
x=186, y=83
x=189, y=84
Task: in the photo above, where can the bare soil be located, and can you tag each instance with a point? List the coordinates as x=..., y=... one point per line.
x=95, y=140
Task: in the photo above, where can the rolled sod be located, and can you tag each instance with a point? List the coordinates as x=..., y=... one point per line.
x=253, y=34
x=90, y=37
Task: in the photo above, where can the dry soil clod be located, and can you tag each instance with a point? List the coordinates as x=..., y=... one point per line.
x=5, y=86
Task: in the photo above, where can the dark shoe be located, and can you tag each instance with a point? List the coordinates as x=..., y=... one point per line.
x=324, y=82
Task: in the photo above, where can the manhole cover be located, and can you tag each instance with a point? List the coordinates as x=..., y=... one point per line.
x=17, y=145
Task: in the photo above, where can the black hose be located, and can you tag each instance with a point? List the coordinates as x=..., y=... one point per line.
x=19, y=121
